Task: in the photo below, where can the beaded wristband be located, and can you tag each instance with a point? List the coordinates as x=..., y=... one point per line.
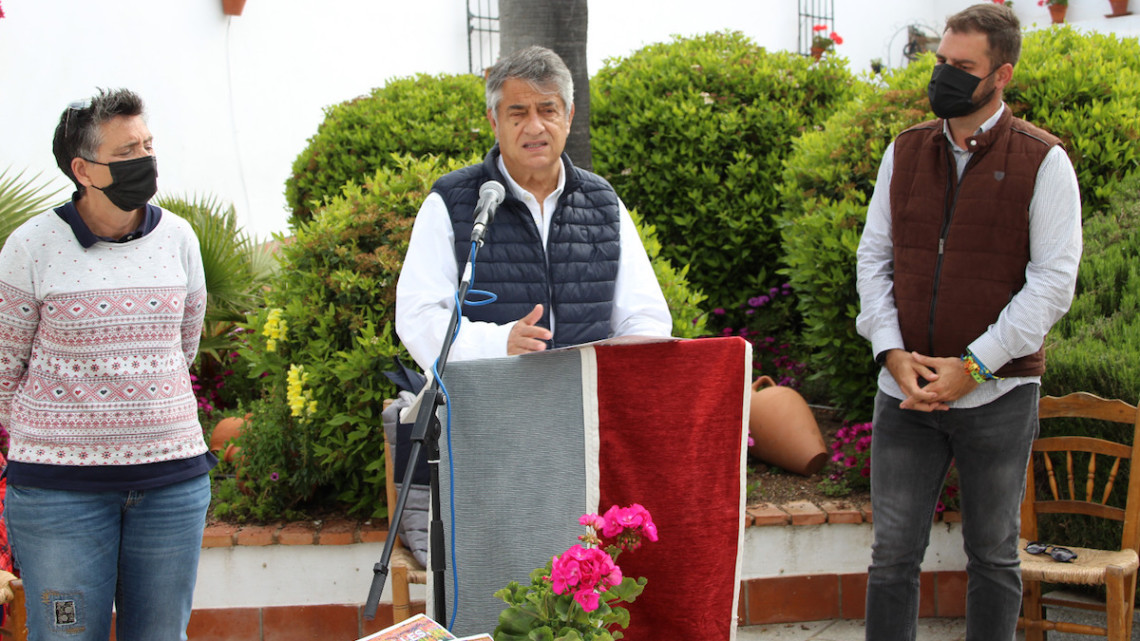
x=976, y=369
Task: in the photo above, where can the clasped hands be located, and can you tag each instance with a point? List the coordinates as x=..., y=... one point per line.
x=927, y=382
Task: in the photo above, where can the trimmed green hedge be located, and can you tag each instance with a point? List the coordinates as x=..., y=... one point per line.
x=1096, y=346
x=692, y=133
x=440, y=115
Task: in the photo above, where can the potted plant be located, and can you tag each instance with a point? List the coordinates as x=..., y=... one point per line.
x=1119, y=8
x=579, y=595
x=821, y=43
x=1057, y=9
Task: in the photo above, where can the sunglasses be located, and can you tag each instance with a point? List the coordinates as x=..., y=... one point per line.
x=1059, y=554
x=74, y=108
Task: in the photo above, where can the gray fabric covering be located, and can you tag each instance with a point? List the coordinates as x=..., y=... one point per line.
x=519, y=477
x=413, y=528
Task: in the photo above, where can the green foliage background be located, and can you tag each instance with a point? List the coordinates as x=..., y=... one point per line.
x=693, y=134
x=440, y=115
x=336, y=291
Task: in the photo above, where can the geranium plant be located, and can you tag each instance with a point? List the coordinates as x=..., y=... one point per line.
x=824, y=42
x=577, y=596
x=1050, y=3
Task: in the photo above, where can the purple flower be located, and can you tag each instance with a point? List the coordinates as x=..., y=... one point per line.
x=719, y=311
x=273, y=477
x=774, y=292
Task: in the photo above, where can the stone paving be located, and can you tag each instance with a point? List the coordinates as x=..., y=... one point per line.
x=847, y=630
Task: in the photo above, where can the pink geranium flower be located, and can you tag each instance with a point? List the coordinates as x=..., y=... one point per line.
x=587, y=572
x=592, y=520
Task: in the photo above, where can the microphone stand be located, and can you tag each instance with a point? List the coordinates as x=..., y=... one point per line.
x=425, y=432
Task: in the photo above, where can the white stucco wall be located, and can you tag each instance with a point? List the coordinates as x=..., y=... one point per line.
x=233, y=100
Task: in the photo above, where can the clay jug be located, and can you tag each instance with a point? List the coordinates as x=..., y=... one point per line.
x=784, y=430
x=226, y=430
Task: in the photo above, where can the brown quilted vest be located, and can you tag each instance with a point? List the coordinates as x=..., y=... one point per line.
x=961, y=247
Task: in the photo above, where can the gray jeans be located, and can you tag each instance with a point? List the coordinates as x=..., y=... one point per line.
x=910, y=454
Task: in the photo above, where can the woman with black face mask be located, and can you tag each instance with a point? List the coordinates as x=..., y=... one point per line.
x=101, y=307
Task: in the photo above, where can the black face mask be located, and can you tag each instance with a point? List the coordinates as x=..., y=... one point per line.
x=133, y=182
x=951, y=91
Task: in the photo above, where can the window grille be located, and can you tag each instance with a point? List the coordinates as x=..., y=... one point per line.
x=482, y=34
x=812, y=13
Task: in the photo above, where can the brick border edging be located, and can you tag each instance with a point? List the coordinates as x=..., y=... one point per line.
x=816, y=597
x=767, y=600
x=343, y=531
x=773, y=600
x=339, y=531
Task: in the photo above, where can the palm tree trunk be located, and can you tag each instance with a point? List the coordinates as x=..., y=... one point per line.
x=559, y=25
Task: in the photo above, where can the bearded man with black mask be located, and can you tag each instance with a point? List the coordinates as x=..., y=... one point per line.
x=101, y=307
x=968, y=258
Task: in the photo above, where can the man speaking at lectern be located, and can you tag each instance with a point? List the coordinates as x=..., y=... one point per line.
x=562, y=255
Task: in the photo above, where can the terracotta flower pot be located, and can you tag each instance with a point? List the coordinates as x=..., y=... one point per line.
x=226, y=430
x=1057, y=12
x=784, y=430
x=233, y=7
x=232, y=453
x=1119, y=8
x=817, y=52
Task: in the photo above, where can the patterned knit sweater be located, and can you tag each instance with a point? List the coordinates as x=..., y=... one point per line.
x=95, y=345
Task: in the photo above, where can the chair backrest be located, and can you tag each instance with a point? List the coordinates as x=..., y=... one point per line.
x=1070, y=464
x=389, y=469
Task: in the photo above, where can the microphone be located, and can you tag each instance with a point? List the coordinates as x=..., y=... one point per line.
x=491, y=195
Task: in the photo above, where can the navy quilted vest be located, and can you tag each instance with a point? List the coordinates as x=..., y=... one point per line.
x=576, y=273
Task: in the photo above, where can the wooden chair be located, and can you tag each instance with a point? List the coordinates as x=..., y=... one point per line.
x=403, y=568
x=1114, y=569
x=16, y=625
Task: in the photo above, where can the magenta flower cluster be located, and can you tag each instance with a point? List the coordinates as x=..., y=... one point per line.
x=851, y=453
x=587, y=571
x=767, y=309
x=208, y=391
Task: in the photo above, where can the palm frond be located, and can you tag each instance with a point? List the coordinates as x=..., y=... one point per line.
x=21, y=198
x=230, y=259
x=234, y=265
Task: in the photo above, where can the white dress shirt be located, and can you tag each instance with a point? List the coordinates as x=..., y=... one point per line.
x=1050, y=277
x=425, y=292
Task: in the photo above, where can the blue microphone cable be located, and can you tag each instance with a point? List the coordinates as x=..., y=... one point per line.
x=487, y=299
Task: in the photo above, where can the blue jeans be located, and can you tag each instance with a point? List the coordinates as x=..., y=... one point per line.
x=910, y=454
x=79, y=552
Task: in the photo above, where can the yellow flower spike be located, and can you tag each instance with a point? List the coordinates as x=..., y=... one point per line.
x=294, y=389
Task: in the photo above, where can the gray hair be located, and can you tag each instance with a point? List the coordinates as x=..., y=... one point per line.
x=538, y=66
x=79, y=132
